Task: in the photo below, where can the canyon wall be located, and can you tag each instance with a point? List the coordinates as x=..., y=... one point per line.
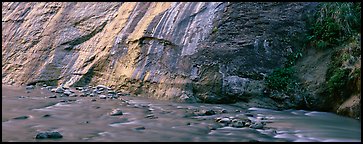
x=215, y=52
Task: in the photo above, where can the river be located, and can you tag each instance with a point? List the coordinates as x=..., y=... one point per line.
x=144, y=120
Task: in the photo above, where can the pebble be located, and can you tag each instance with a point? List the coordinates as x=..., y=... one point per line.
x=224, y=120
x=151, y=116
x=29, y=87
x=102, y=96
x=73, y=95
x=59, y=90
x=116, y=112
x=49, y=87
x=111, y=92
x=67, y=92
x=224, y=111
x=50, y=135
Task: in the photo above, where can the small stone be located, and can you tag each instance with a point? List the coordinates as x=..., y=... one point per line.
x=151, y=116
x=210, y=112
x=102, y=96
x=63, y=101
x=91, y=95
x=49, y=88
x=44, y=85
x=67, y=92
x=224, y=111
x=224, y=120
x=111, y=92
x=237, y=111
x=93, y=100
x=101, y=86
x=79, y=88
x=21, y=117
x=116, y=112
x=50, y=135
x=73, y=95
x=29, y=87
x=59, y=90
x=53, y=96
x=83, y=95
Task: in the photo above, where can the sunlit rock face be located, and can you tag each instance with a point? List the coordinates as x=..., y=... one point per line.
x=184, y=51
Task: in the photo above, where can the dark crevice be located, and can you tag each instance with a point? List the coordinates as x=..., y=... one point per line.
x=148, y=38
x=86, y=78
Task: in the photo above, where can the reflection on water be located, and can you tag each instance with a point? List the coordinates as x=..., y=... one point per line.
x=81, y=119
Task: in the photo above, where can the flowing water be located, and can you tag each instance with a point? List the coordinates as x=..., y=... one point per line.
x=81, y=119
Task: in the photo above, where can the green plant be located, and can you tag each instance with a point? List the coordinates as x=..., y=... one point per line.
x=214, y=30
x=292, y=58
x=281, y=79
x=334, y=23
x=338, y=80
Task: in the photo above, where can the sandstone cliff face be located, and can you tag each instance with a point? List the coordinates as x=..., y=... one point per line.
x=199, y=52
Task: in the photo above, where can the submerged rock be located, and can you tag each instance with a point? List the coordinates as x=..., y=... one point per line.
x=210, y=112
x=21, y=117
x=116, y=112
x=48, y=135
x=140, y=128
x=53, y=96
x=257, y=125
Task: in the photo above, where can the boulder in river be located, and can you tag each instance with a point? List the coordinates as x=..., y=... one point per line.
x=224, y=120
x=210, y=112
x=48, y=135
x=21, y=117
x=257, y=125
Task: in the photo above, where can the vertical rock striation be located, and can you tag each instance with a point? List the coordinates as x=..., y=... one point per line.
x=213, y=52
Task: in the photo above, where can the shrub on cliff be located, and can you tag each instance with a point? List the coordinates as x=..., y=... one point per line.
x=281, y=79
x=335, y=22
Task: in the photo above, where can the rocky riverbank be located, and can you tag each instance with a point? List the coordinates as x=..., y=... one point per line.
x=30, y=114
